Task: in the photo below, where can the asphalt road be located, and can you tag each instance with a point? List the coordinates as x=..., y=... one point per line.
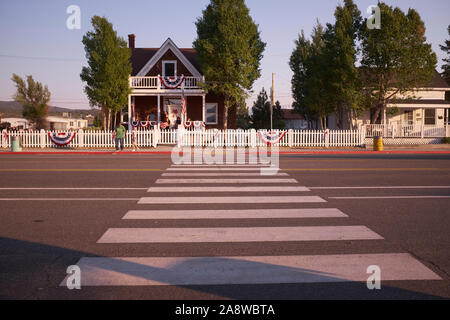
x=56, y=208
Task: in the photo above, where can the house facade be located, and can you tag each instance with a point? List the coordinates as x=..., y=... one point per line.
x=423, y=106
x=166, y=89
x=293, y=120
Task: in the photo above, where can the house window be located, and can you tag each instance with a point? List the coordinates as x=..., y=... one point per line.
x=430, y=116
x=211, y=113
x=169, y=68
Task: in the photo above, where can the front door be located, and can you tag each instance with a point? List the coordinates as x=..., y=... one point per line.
x=172, y=109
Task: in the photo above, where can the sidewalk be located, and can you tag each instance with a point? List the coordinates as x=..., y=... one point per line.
x=430, y=148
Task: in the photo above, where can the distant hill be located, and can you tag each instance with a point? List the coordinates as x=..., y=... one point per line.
x=12, y=109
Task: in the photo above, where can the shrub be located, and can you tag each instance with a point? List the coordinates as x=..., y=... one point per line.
x=445, y=140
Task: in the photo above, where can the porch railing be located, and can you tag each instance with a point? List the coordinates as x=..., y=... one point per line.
x=405, y=131
x=154, y=83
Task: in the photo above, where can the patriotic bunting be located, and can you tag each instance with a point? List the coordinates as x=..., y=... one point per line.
x=144, y=124
x=62, y=139
x=172, y=82
x=271, y=137
x=187, y=124
x=164, y=125
x=135, y=123
x=198, y=124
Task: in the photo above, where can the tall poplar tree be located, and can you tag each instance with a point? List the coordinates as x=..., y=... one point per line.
x=108, y=69
x=342, y=81
x=446, y=49
x=395, y=59
x=229, y=49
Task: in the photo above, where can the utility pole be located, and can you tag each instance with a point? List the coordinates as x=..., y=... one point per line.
x=272, y=101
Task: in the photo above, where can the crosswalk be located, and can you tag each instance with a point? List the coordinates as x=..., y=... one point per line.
x=203, y=193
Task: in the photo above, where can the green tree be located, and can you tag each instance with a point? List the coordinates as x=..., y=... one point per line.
x=309, y=81
x=109, y=67
x=342, y=81
x=34, y=98
x=446, y=67
x=260, y=118
x=394, y=59
x=229, y=49
x=242, y=116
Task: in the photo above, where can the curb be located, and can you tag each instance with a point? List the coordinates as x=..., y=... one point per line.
x=306, y=152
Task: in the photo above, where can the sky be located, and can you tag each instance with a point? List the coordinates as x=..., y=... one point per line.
x=34, y=38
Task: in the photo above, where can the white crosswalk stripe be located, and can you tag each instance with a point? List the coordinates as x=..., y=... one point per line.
x=220, y=181
x=240, y=234
x=248, y=270
x=231, y=200
x=231, y=270
x=236, y=214
x=219, y=174
x=191, y=189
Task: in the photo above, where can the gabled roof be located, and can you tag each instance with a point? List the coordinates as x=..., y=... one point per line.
x=143, y=59
x=289, y=114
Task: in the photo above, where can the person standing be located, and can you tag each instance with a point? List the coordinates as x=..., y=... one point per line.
x=135, y=147
x=119, y=136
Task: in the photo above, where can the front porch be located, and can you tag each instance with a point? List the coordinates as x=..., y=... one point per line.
x=427, y=120
x=160, y=99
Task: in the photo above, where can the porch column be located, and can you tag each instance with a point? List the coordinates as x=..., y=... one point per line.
x=159, y=110
x=423, y=123
x=129, y=113
x=203, y=109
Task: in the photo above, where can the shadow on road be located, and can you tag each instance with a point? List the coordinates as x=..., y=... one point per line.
x=35, y=271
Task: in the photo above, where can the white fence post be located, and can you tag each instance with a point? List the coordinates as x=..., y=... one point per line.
x=4, y=139
x=422, y=131
x=80, y=138
x=42, y=137
x=362, y=135
x=253, y=138
x=290, y=138
x=155, y=136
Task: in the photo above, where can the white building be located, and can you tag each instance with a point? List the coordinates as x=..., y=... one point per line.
x=18, y=123
x=55, y=123
x=62, y=123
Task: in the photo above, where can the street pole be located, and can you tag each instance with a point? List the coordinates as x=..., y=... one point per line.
x=272, y=95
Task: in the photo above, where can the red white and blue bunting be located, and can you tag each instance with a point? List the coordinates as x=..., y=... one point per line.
x=271, y=137
x=172, y=82
x=198, y=124
x=195, y=124
x=62, y=139
x=5, y=135
x=143, y=124
x=188, y=124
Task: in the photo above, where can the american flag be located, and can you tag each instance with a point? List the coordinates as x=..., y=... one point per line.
x=183, y=103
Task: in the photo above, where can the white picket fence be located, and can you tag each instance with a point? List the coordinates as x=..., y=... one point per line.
x=406, y=131
x=251, y=138
x=193, y=138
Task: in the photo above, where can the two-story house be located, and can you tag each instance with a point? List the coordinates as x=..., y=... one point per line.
x=162, y=78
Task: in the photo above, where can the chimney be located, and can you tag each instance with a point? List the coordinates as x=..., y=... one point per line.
x=131, y=39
